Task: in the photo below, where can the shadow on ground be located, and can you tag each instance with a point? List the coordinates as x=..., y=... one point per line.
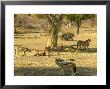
x=89, y=50
x=38, y=71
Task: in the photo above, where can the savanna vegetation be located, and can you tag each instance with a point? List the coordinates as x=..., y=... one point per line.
x=41, y=38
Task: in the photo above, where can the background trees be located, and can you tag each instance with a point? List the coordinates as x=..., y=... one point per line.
x=53, y=23
x=79, y=18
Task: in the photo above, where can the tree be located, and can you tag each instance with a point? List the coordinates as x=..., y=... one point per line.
x=15, y=30
x=54, y=21
x=78, y=18
x=92, y=17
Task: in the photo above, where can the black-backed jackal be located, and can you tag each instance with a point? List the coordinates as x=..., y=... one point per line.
x=66, y=64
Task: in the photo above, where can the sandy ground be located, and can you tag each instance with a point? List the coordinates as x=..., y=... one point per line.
x=30, y=65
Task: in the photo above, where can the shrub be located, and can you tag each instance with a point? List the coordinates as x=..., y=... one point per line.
x=67, y=36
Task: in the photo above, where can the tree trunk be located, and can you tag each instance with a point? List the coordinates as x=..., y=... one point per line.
x=78, y=29
x=49, y=43
x=92, y=22
x=15, y=30
x=52, y=39
x=78, y=26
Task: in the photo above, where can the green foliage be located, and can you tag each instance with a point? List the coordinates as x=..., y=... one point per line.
x=91, y=16
x=67, y=36
x=78, y=18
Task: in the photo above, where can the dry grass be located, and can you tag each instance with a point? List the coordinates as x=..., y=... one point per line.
x=45, y=66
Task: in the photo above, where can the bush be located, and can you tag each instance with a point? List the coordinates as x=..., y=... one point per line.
x=67, y=36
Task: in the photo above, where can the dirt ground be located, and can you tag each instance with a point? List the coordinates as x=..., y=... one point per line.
x=31, y=65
